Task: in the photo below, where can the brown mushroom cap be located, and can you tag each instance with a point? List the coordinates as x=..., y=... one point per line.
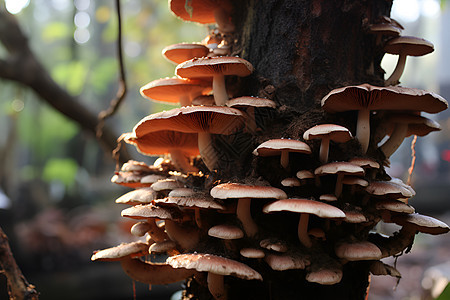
x=365, y=162
x=325, y=276
x=249, y=101
x=317, y=208
x=210, y=66
x=421, y=223
x=200, y=11
x=212, y=119
x=124, y=250
x=288, y=261
x=166, y=184
x=181, y=52
x=409, y=45
x=333, y=132
x=140, y=196
x=356, y=251
x=252, y=253
x=388, y=189
x=226, y=232
x=275, y=146
x=213, y=264
x=385, y=29
x=172, y=90
x=342, y=167
x=239, y=190
x=145, y=211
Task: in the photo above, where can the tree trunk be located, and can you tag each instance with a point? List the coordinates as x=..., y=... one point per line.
x=301, y=50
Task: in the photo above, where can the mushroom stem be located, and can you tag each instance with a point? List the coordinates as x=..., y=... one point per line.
x=395, y=140
x=284, y=160
x=216, y=286
x=207, y=152
x=219, y=90
x=324, y=149
x=303, y=230
x=155, y=232
x=338, y=188
x=181, y=161
x=153, y=273
x=185, y=100
x=363, y=129
x=198, y=217
x=398, y=71
x=187, y=238
x=244, y=215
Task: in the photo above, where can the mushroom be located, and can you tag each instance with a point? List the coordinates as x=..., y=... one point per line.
x=175, y=90
x=384, y=29
x=287, y=261
x=227, y=233
x=405, y=125
x=369, y=165
x=205, y=12
x=216, y=68
x=181, y=52
x=203, y=120
x=217, y=267
x=245, y=193
x=421, y=223
x=327, y=133
x=404, y=46
x=282, y=147
x=380, y=268
x=139, y=196
x=252, y=253
x=366, y=98
x=249, y=104
x=357, y=250
x=340, y=169
x=146, y=272
x=305, y=207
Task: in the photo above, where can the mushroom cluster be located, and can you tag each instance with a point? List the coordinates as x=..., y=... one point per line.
x=309, y=214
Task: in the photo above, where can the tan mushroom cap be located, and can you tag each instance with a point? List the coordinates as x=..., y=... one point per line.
x=290, y=182
x=182, y=192
x=162, y=247
x=380, y=268
x=239, y=190
x=297, y=205
x=388, y=189
x=252, y=253
x=211, y=119
x=274, y=245
x=305, y=174
x=287, y=261
x=336, y=133
x=197, y=200
x=417, y=124
x=249, y=101
x=166, y=184
x=145, y=211
x=328, y=197
x=164, y=141
x=213, y=264
x=140, y=196
x=342, y=167
x=385, y=29
x=210, y=66
x=128, y=179
x=124, y=250
x=226, y=232
x=138, y=166
x=394, y=206
x=409, y=45
x=275, y=146
x=353, y=180
x=148, y=180
x=421, y=223
x=365, y=162
x=325, y=276
x=356, y=251
x=181, y=52
x=172, y=90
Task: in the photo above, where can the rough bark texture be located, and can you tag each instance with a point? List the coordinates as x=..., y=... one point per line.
x=301, y=50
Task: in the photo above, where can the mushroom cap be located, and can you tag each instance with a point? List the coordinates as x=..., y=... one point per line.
x=138, y=166
x=170, y=90
x=342, y=167
x=380, y=268
x=388, y=189
x=290, y=182
x=366, y=96
x=213, y=264
x=124, y=250
x=252, y=253
x=128, y=179
x=274, y=245
x=181, y=52
x=207, y=100
x=145, y=211
x=249, y=101
x=385, y=29
x=276, y=146
x=210, y=66
x=239, y=190
x=408, y=45
x=182, y=192
x=325, y=276
x=200, y=11
x=148, y=180
x=394, y=205
x=356, y=251
x=164, y=141
x=198, y=200
x=353, y=180
x=140, y=196
x=162, y=247
x=424, y=224
x=417, y=124
x=307, y=206
x=365, y=162
x=328, y=197
x=288, y=261
x=226, y=232
x=192, y=119
x=305, y=174
x=334, y=132
x=166, y=184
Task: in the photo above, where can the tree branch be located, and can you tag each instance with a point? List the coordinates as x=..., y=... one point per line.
x=18, y=287
x=23, y=67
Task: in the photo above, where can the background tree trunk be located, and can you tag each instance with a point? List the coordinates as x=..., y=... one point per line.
x=301, y=50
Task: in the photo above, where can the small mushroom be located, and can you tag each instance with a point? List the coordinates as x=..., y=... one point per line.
x=282, y=147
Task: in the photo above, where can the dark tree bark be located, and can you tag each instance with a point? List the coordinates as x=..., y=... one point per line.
x=301, y=50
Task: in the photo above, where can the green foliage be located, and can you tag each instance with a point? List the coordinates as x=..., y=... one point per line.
x=445, y=294
x=61, y=169
x=103, y=73
x=55, y=31
x=71, y=75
